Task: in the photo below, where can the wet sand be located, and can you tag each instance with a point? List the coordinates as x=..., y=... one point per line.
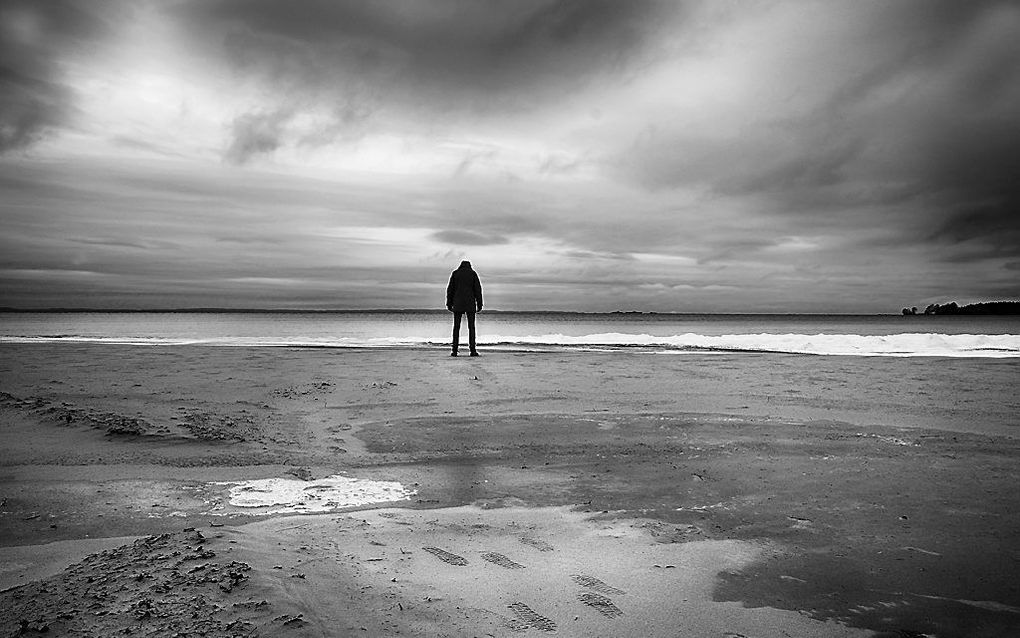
x=694, y=495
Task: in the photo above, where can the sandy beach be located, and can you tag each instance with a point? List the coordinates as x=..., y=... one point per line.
x=581, y=493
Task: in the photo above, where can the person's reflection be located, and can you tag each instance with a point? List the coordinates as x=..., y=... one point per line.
x=467, y=480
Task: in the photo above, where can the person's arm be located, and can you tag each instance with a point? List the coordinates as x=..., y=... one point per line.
x=449, y=292
x=478, y=292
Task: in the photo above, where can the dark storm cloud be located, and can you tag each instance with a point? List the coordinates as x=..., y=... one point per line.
x=925, y=124
x=35, y=37
x=255, y=133
x=995, y=228
x=435, y=54
x=29, y=109
x=963, y=135
x=975, y=175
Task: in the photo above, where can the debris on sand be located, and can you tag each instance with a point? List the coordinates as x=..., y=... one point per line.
x=218, y=427
x=202, y=425
x=163, y=585
x=65, y=414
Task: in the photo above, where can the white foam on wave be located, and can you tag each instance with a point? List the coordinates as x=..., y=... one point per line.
x=283, y=496
x=894, y=345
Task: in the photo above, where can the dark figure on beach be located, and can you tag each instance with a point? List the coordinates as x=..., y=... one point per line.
x=464, y=296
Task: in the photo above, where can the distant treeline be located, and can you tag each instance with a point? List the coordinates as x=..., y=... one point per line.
x=987, y=308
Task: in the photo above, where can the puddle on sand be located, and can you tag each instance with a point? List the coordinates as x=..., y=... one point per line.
x=280, y=495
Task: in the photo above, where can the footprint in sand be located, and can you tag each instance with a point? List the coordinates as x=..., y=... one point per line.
x=533, y=618
x=501, y=560
x=513, y=624
x=540, y=545
x=594, y=583
x=446, y=556
x=601, y=604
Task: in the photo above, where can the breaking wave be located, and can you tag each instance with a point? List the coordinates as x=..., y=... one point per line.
x=893, y=345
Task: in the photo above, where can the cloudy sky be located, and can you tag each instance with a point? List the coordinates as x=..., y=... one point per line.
x=702, y=156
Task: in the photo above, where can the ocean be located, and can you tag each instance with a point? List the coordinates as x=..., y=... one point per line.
x=823, y=335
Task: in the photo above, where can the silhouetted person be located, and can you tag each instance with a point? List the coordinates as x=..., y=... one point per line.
x=464, y=296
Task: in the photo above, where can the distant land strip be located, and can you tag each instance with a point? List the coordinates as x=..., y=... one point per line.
x=985, y=308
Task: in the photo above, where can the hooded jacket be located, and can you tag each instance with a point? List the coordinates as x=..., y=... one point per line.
x=464, y=294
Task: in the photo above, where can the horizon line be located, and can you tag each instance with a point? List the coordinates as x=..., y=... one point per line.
x=216, y=310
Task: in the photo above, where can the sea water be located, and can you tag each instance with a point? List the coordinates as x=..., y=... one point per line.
x=832, y=335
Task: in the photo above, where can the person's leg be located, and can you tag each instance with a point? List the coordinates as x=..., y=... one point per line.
x=471, y=332
x=456, y=330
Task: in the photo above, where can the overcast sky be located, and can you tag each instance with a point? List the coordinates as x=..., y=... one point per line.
x=705, y=156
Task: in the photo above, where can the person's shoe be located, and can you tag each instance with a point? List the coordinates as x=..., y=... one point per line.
x=453, y=354
x=474, y=354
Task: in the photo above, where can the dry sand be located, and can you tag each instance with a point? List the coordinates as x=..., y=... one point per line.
x=590, y=494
